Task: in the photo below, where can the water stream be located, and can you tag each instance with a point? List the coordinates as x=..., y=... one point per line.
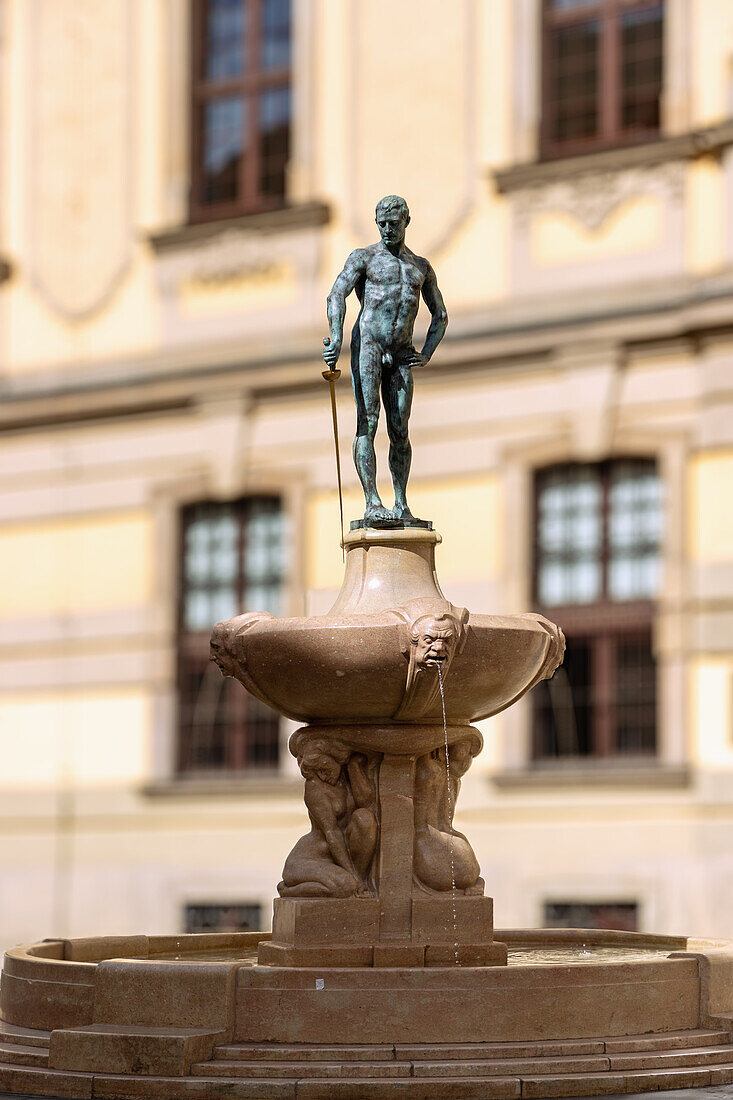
x=450, y=813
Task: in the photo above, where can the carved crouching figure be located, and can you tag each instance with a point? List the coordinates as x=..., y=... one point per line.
x=434, y=865
x=334, y=858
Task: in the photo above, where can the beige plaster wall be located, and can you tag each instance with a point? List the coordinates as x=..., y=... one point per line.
x=94, y=739
x=76, y=565
x=710, y=530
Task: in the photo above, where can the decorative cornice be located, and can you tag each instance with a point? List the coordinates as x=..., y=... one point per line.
x=267, y=221
x=668, y=309
x=696, y=143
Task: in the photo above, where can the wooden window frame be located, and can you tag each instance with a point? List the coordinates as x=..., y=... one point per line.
x=248, y=84
x=193, y=653
x=603, y=623
x=611, y=134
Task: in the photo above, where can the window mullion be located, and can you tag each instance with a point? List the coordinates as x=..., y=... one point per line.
x=252, y=169
x=609, y=92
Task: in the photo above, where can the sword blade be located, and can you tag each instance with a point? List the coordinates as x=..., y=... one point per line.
x=334, y=416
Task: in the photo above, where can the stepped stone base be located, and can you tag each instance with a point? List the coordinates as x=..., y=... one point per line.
x=466, y=1071
x=196, y=1017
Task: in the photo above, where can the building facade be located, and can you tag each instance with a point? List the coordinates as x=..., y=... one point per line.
x=180, y=182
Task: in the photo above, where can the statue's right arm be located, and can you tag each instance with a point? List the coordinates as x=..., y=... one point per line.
x=354, y=270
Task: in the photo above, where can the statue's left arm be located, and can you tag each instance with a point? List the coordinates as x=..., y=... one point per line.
x=434, y=301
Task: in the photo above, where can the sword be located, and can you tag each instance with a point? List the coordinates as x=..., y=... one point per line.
x=332, y=377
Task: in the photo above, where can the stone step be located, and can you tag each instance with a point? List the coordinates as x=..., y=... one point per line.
x=663, y=1059
x=297, y=1052
x=433, y=1052
x=559, y=1048
x=293, y=1071
x=40, y=1081
x=15, y=1054
x=669, y=1040
x=591, y=1084
x=540, y=1087
x=446, y=1069
x=10, y=1033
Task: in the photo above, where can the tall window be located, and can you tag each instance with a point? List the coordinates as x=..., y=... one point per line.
x=233, y=560
x=241, y=106
x=597, y=572
x=602, y=73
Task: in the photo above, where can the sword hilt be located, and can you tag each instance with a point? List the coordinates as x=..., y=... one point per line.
x=331, y=375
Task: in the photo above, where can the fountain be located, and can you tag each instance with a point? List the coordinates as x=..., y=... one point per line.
x=383, y=974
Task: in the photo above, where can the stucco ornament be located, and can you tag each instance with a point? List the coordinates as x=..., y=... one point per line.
x=80, y=138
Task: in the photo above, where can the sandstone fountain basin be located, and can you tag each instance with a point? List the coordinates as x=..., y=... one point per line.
x=575, y=1012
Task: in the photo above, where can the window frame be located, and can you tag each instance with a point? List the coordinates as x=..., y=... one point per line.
x=193, y=648
x=604, y=624
x=249, y=84
x=611, y=134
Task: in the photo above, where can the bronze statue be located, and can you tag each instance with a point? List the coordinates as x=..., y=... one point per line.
x=388, y=279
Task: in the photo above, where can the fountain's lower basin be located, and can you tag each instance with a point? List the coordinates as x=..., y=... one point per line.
x=165, y=1016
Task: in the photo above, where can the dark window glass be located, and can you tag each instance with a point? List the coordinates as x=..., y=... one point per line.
x=621, y=915
x=574, y=88
x=275, y=140
x=244, y=917
x=275, y=48
x=233, y=559
x=597, y=573
x=641, y=68
x=241, y=106
x=223, y=142
x=563, y=705
x=602, y=73
x=224, y=53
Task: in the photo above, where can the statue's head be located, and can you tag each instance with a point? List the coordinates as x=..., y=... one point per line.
x=321, y=759
x=434, y=638
x=393, y=218
x=461, y=755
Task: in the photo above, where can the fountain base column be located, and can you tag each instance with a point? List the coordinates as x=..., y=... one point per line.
x=409, y=921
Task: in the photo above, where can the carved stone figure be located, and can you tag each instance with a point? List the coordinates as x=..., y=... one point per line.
x=435, y=634
x=334, y=859
x=388, y=279
x=442, y=855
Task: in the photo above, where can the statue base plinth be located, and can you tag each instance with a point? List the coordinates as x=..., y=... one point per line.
x=390, y=524
x=346, y=932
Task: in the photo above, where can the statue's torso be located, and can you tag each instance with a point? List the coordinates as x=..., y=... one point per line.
x=390, y=296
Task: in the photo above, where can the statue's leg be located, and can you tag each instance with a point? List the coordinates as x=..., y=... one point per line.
x=316, y=878
x=366, y=369
x=397, y=389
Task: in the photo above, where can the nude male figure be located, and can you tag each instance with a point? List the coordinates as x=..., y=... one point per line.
x=388, y=279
